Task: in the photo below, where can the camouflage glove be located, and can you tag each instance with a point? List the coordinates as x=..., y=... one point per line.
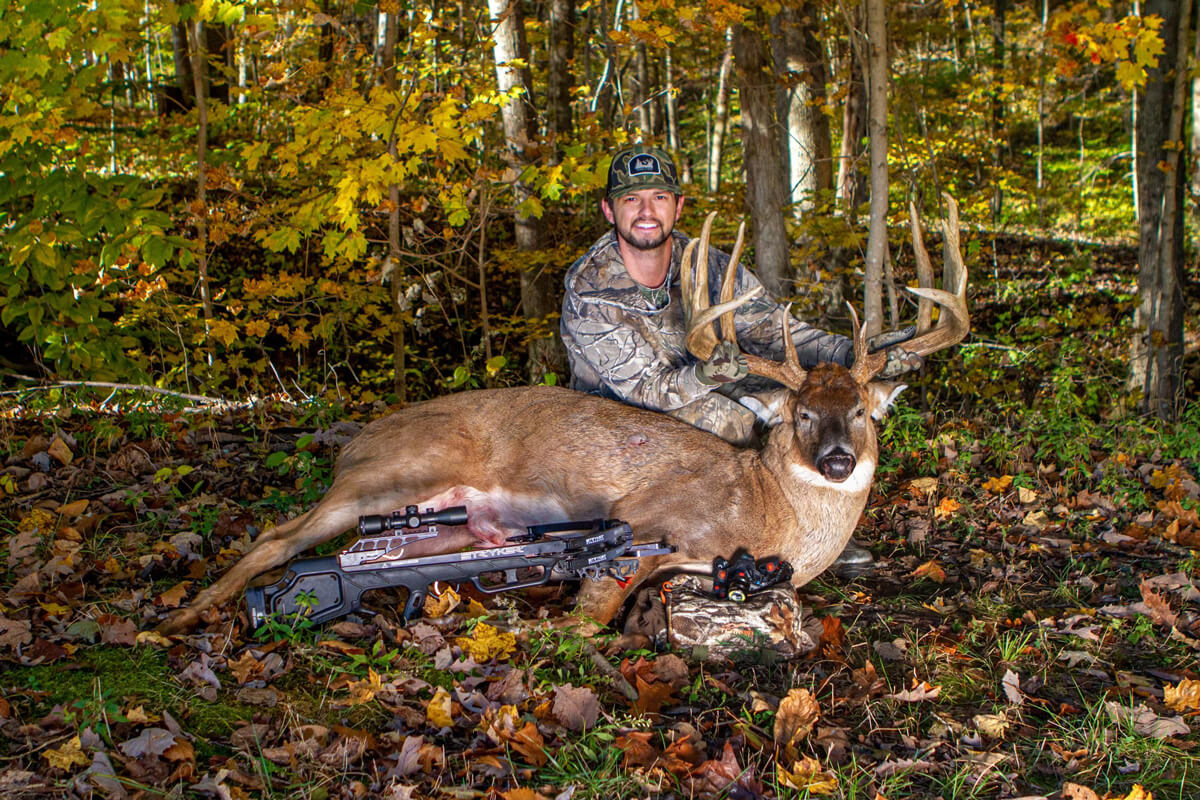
x=725, y=365
x=899, y=360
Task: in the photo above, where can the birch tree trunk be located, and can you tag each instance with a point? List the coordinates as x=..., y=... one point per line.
x=538, y=290
x=1156, y=351
x=720, y=115
x=800, y=64
x=877, y=244
x=766, y=193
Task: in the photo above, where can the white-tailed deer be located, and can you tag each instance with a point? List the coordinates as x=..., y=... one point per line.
x=525, y=456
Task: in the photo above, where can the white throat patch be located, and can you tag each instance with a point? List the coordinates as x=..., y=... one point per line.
x=859, y=480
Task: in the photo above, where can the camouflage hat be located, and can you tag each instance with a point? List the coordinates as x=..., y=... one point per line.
x=641, y=166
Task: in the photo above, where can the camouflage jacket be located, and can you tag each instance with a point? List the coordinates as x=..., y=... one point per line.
x=626, y=344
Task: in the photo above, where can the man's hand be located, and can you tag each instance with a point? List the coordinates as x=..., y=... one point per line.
x=899, y=360
x=725, y=365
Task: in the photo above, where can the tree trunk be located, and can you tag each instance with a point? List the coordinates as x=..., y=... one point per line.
x=800, y=65
x=179, y=97
x=999, y=9
x=877, y=77
x=720, y=115
x=851, y=182
x=539, y=293
x=387, y=62
x=195, y=34
x=1156, y=352
x=559, y=77
x=766, y=193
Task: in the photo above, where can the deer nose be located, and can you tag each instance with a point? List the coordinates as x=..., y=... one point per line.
x=836, y=464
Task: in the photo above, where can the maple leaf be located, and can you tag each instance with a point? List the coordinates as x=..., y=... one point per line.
x=150, y=742
x=487, y=642
x=364, y=691
x=68, y=756
x=947, y=507
x=174, y=597
x=529, y=743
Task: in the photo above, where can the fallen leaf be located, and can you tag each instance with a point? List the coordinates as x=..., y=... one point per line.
x=998, y=484
x=994, y=725
x=576, y=708
x=58, y=448
x=138, y=716
x=637, y=749
x=924, y=486
x=487, y=642
x=14, y=632
x=948, y=507
x=150, y=742
x=1073, y=791
x=437, y=712
x=922, y=691
x=1185, y=696
x=807, y=775
x=1026, y=496
x=74, y=509
x=1146, y=722
x=442, y=604
x=798, y=713
x=1158, y=605
x=1011, y=683
x=931, y=570
x=364, y=691
x=68, y=756
x=174, y=597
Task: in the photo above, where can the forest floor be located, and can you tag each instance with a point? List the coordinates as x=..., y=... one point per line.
x=1030, y=629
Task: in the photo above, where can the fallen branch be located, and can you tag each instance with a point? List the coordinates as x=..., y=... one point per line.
x=131, y=387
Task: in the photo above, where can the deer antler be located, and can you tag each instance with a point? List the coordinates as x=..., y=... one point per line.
x=700, y=316
x=954, y=321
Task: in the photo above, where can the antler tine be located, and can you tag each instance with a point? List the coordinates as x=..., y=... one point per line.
x=701, y=338
x=954, y=321
x=924, y=269
x=788, y=372
x=861, y=370
x=730, y=283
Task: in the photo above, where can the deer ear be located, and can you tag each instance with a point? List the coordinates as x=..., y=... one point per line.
x=883, y=394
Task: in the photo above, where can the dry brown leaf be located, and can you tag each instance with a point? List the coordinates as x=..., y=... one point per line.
x=174, y=597
x=59, y=450
x=798, y=713
x=73, y=509
x=245, y=668
x=924, y=486
x=528, y=742
x=807, y=774
x=919, y=692
x=1160, y=608
x=1073, y=791
x=637, y=749
x=1185, y=696
x=576, y=708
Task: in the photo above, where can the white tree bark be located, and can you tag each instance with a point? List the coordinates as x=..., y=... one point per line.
x=877, y=111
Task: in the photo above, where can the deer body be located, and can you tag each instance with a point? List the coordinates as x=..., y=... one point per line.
x=519, y=457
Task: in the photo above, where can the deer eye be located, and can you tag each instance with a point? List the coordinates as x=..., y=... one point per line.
x=805, y=416
x=860, y=413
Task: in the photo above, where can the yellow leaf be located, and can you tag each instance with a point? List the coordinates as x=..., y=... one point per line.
x=1026, y=496
x=139, y=716
x=54, y=609
x=1138, y=793
x=67, y=756
x=999, y=484
x=487, y=642
x=437, y=713
x=364, y=691
x=806, y=774
x=475, y=609
x=153, y=637
x=924, y=485
x=1183, y=697
x=442, y=604
x=223, y=331
x=946, y=508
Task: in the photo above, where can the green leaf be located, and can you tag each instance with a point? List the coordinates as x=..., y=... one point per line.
x=276, y=458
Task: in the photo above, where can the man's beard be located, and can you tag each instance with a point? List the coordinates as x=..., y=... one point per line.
x=643, y=244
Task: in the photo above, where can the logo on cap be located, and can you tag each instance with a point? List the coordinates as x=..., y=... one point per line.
x=644, y=165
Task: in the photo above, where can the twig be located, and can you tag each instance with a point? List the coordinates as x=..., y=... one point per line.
x=132, y=387
x=612, y=672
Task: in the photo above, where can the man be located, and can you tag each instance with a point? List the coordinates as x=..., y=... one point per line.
x=623, y=326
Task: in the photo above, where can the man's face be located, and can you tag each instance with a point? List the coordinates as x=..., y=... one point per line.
x=644, y=218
